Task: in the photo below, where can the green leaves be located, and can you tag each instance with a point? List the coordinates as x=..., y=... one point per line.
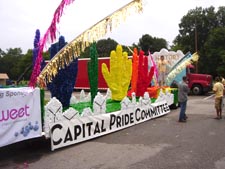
x=203, y=30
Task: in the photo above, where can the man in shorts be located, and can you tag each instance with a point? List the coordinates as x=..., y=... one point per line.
x=218, y=89
x=162, y=68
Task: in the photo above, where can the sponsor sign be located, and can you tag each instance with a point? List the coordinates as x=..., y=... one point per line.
x=20, y=114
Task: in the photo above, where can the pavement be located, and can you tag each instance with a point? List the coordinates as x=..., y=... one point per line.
x=161, y=143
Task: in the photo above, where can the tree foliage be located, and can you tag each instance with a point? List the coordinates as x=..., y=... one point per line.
x=9, y=62
x=196, y=33
x=24, y=66
x=153, y=44
x=16, y=64
x=215, y=51
x=104, y=47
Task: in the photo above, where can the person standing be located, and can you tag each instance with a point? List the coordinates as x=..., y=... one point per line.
x=162, y=68
x=218, y=89
x=223, y=81
x=183, y=91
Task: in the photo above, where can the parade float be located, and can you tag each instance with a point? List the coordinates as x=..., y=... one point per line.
x=66, y=119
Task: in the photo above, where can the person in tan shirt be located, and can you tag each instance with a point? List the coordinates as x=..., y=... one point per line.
x=162, y=69
x=223, y=81
x=218, y=89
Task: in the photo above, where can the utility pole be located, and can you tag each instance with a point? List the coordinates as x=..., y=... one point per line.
x=196, y=46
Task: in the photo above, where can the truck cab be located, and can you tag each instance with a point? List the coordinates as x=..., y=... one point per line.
x=198, y=83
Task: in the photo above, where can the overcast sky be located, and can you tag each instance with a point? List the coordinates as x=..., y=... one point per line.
x=160, y=18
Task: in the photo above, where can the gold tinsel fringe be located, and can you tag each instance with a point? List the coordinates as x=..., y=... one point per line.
x=73, y=49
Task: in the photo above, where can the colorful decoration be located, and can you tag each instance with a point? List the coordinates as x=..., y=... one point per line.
x=134, y=71
x=36, y=47
x=50, y=33
x=77, y=45
x=153, y=64
x=118, y=76
x=93, y=71
x=144, y=76
x=141, y=74
x=63, y=83
x=171, y=56
x=181, y=65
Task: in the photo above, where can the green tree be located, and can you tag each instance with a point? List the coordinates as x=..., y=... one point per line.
x=194, y=31
x=2, y=53
x=9, y=62
x=196, y=24
x=221, y=16
x=85, y=53
x=25, y=65
x=215, y=50
x=16, y=64
x=104, y=47
x=153, y=44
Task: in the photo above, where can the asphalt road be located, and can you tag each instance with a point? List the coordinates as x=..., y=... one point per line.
x=161, y=143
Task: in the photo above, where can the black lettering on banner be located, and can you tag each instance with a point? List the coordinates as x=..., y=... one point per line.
x=161, y=108
x=153, y=112
x=89, y=128
x=166, y=107
x=131, y=118
x=97, y=130
x=118, y=120
x=102, y=128
x=149, y=112
x=142, y=114
x=77, y=131
x=136, y=112
x=158, y=110
x=83, y=127
x=68, y=136
x=127, y=119
x=122, y=120
x=112, y=120
x=57, y=126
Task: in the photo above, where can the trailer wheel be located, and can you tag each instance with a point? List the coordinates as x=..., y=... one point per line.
x=174, y=106
x=197, y=89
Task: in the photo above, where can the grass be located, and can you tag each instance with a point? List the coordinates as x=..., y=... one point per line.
x=111, y=106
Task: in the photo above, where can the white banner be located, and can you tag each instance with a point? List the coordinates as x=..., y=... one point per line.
x=20, y=114
x=68, y=132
